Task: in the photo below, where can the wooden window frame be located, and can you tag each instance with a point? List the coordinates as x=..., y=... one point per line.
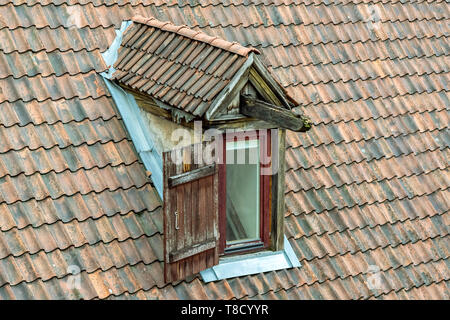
x=265, y=196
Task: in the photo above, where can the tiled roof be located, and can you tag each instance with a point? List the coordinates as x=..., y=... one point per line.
x=367, y=188
x=184, y=68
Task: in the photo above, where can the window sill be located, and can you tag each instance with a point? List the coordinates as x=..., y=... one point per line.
x=236, y=266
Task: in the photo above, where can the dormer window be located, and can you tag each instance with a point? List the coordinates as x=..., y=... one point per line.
x=223, y=214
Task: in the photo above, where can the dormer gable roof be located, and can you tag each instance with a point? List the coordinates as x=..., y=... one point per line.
x=179, y=66
x=195, y=74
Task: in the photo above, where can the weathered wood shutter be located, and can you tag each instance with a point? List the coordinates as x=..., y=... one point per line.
x=191, y=232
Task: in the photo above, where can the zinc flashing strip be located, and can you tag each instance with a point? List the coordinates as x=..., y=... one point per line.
x=252, y=264
x=132, y=114
x=110, y=56
x=139, y=133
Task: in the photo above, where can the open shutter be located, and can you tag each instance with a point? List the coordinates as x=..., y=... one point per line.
x=191, y=233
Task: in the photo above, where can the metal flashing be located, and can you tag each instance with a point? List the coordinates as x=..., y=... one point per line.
x=249, y=264
x=110, y=55
x=139, y=133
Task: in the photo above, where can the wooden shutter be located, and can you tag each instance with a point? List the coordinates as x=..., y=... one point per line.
x=191, y=233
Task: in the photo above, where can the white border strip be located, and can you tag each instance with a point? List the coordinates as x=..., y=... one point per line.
x=139, y=133
x=252, y=263
x=110, y=55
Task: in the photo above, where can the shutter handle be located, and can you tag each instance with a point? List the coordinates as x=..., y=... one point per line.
x=176, y=221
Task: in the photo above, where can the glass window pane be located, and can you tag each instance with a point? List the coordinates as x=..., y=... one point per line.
x=242, y=185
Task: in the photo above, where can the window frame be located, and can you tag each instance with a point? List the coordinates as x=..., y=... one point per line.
x=265, y=198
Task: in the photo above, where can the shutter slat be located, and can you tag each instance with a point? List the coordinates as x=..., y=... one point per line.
x=191, y=175
x=192, y=250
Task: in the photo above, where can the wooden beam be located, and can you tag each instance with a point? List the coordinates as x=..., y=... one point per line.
x=240, y=124
x=147, y=103
x=191, y=175
x=156, y=107
x=282, y=117
x=278, y=189
x=193, y=250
